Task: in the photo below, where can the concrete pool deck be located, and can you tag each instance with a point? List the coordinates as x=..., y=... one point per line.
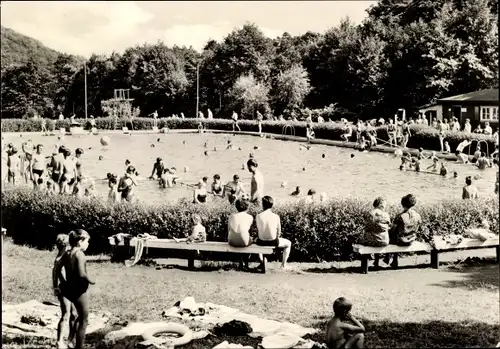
x=342, y=144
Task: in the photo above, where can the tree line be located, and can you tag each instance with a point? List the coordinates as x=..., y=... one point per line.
x=405, y=54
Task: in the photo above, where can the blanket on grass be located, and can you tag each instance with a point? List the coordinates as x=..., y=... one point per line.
x=274, y=333
x=37, y=319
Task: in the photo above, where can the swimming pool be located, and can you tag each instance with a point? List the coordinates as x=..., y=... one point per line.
x=365, y=176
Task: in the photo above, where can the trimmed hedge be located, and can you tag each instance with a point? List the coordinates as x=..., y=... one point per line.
x=422, y=136
x=320, y=232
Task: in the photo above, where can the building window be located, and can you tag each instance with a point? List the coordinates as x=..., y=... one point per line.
x=489, y=113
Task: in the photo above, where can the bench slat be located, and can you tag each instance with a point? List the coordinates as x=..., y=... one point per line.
x=442, y=245
x=213, y=246
x=415, y=247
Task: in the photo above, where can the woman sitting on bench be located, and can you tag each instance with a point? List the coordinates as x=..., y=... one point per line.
x=405, y=227
x=377, y=227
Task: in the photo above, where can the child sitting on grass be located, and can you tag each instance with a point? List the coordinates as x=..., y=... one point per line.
x=405, y=227
x=198, y=232
x=68, y=310
x=340, y=333
x=377, y=227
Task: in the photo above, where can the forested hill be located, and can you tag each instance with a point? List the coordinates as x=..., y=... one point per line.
x=17, y=48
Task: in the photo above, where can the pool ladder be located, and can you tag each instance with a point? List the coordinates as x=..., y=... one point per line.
x=285, y=129
x=479, y=144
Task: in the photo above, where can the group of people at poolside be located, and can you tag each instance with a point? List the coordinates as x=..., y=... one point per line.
x=59, y=173
x=62, y=173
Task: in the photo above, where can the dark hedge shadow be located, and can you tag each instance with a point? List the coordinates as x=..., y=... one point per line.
x=432, y=334
x=484, y=275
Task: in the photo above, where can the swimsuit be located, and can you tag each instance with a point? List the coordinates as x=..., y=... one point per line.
x=217, y=189
x=273, y=243
x=202, y=198
x=126, y=192
x=73, y=289
x=38, y=172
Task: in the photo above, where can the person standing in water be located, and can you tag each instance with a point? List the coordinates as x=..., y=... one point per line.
x=37, y=165
x=235, y=185
x=78, y=164
x=127, y=182
x=69, y=175
x=257, y=183
x=200, y=193
x=56, y=166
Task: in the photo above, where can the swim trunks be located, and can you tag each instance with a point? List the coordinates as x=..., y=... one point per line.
x=273, y=243
x=73, y=290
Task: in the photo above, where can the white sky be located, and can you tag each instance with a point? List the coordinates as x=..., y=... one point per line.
x=103, y=26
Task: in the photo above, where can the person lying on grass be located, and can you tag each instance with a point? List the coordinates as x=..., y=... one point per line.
x=344, y=331
x=377, y=227
x=405, y=227
x=198, y=232
x=68, y=310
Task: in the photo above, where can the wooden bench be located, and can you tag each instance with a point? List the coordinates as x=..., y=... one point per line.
x=212, y=246
x=440, y=246
x=366, y=251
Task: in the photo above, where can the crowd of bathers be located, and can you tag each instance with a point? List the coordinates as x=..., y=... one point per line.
x=62, y=174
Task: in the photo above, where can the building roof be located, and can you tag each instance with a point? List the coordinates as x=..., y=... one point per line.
x=489, y=95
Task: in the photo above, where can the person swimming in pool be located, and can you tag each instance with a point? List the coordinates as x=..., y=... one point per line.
x=443, y=171
x=126, y=184
x=483, y=162
x=217, y=188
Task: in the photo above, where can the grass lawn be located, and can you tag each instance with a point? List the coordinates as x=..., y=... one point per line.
x=406, y=308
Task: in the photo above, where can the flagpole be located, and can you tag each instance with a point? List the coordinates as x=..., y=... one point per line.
x=85, y=73
x=197, y=88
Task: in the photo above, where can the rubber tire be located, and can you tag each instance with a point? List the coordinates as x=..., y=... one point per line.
x=170, y=327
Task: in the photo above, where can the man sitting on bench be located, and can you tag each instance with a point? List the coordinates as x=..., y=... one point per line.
x=269, y=227
x=239, y=225
x=405, y=227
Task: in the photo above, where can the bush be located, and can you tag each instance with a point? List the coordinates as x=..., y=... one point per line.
x=422, y=136
x=321, y=232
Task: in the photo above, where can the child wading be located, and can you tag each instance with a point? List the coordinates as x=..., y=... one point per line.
x=344, y=331
x=75, y=281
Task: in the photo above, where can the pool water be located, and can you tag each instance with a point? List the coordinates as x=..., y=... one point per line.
x=342, y=172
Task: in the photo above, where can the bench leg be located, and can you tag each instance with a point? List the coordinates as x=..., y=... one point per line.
x=191, y=260
x=264, y=262
x=364, y=264
x=498, y=254
x=435, y=259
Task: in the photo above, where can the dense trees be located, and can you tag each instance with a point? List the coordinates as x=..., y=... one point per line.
x=405, y=54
